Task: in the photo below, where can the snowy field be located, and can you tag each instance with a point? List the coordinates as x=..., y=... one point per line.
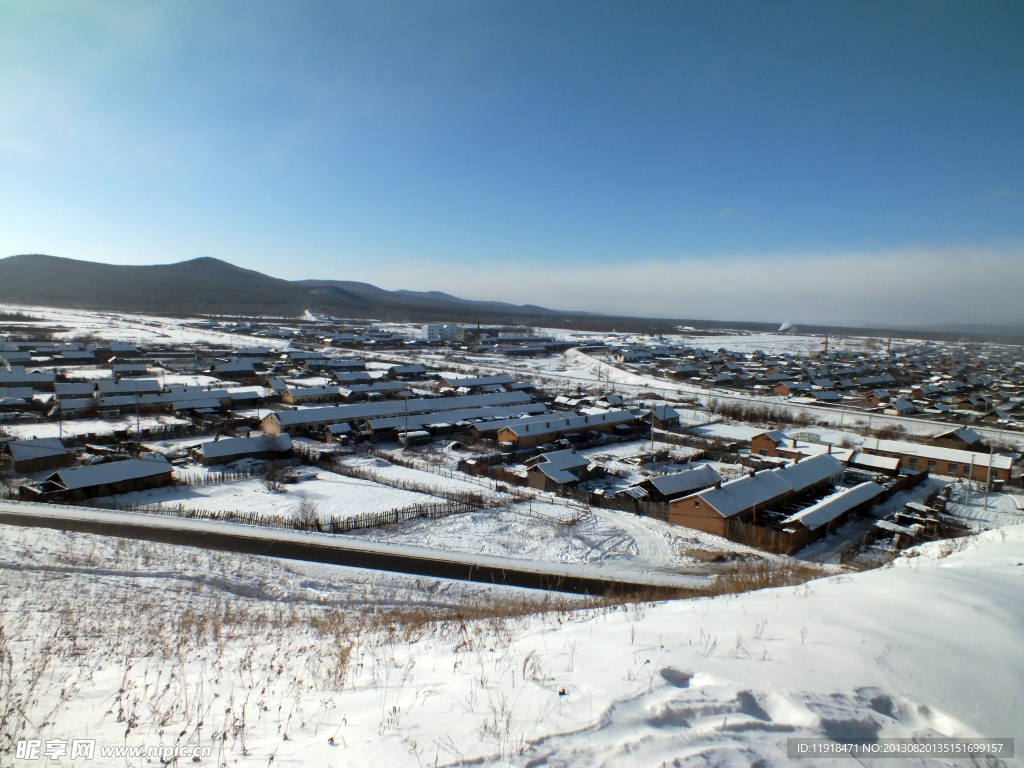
x=132, y=328
x=333, y=494
x=89, y=426
x=272, y=662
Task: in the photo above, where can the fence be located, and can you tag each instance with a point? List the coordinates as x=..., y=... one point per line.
x=230, y=475
x=361, y=473
x=332, y=524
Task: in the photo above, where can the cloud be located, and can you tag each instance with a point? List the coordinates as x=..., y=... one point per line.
x=913, y=286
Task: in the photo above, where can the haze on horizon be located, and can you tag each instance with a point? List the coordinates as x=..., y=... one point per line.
x=856, y=163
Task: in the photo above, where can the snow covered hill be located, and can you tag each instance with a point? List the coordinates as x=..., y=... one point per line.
x=144, y=644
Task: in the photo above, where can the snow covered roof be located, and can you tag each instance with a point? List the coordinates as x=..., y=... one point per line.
x=465, y=414
x=301, y=392
x=26, y=450
x=685, y=481
x=760, y=488
x=664, y=413
x=999, y=461
x=339, y=413
x=742, y=494
x=478, y=381
x=558, y=465
x=246, y=446
x=807, y=472
x=775, y=435
x=567, y=459
x=968, y=435
x=128, y=386
x=831, y=507
x=871, y=461
x=546, y=423
x=114, y=472
x=72, y=389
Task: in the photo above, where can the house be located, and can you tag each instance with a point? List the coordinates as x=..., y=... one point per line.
x=107, y=479
x=826, y=396
x=38, y=455
x=17, y=376
x=664, y=416
x=298, y=421
x=966, y=439
x=118, y=387
x=234, y=368
x=297, y=395
x=711, y=510
x=950, y=462
x=416, y=371
x=544, y=428
x=473, y=382
x=551, y=471
x=900, y=407
x=224, y=451
x=791, y=388
x=877, y=397
x=766, y=443
x=65, y=390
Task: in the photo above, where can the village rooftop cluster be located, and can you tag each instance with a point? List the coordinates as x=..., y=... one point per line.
x=99, y=420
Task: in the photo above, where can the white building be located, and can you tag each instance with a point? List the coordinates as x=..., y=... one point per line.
x=437, y=332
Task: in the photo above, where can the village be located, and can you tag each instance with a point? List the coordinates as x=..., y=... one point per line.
x=844, y=450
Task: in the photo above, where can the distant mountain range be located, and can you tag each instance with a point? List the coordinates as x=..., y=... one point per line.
x=212, y=286
x=208, y=286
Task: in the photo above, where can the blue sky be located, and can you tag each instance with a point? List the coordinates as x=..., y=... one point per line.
x=742, y=160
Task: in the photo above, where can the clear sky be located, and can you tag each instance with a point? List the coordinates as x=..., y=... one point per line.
x=801, y=161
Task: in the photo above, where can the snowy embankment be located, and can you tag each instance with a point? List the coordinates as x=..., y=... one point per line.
x=260, y=659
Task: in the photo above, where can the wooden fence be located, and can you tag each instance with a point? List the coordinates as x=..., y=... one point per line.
x=321, y=524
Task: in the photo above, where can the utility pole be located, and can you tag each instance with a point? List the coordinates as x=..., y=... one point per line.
x=138, y=427
x=406, y=445
x=988, y=480
x=967, y=499
x=652, y=429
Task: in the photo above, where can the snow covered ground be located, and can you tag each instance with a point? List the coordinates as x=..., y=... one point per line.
x=333, y=494
x=144, y=644
x=89, y=426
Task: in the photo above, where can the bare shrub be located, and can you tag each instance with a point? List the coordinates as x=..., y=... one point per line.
x=307, y=517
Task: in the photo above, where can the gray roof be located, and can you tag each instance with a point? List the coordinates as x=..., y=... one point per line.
x=686, y=481
x=547, y=423
x=361, y=411
x=664, y=413
x=246, y=446
x=419, y=420
x=26, y=450
x=128, y=386
x=807, y=472
x=479, y=381
x=762, y=487
x=73, y=389
x=558, y=465
x=113, y=472
x=742, y=494
x=831, y=507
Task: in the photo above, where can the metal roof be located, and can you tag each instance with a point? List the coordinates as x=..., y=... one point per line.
x=831, y=507
x=359, y=411
x=246, y=446
x=113, y=472
x=26, y=450
x=686, y=481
